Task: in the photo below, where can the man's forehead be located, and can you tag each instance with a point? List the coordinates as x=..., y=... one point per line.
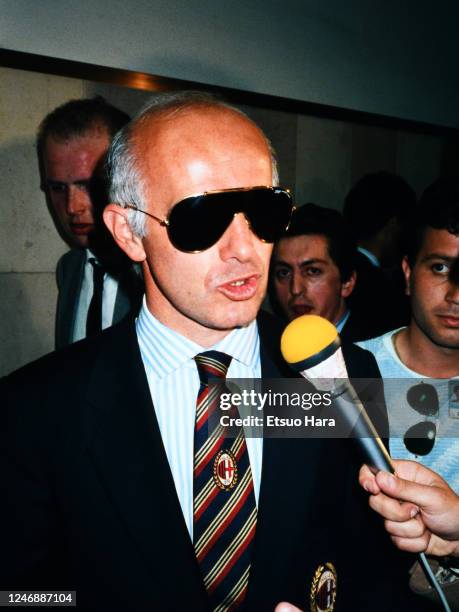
x=199, y=150
x=98, y=136
x=439, y=241
x=195, y=126
x=315, y=245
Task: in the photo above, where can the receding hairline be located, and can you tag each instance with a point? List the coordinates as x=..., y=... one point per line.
x=145, y=127
x=172, y=113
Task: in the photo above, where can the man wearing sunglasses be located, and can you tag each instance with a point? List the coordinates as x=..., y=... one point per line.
x=124, y=492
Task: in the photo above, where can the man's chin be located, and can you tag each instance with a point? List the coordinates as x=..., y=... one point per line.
x=240, y=316
x=446, y=340
x=78, y=242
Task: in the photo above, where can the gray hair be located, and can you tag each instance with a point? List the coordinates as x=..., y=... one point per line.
x=124, y=168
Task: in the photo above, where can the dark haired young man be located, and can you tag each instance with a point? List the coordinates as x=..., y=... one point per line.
x=313, y=271
x=424, y=424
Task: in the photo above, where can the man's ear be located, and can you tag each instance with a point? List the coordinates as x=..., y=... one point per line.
x=116, y=219
x=407, y=273
x=348, y=287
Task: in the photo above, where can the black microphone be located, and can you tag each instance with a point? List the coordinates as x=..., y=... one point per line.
x=311, y=346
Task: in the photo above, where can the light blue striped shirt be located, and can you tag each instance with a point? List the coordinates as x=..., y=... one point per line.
x=174, y=384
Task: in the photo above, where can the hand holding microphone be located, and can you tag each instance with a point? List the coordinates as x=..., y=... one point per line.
x=311, y=345
x=428, y=518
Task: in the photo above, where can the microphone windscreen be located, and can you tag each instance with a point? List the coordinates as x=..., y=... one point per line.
x=308, y=340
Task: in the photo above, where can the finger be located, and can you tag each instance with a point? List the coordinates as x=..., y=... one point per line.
x=413, y=528
x=286, y=607
x=391, y=509
x=367, y=480
x=413, y=545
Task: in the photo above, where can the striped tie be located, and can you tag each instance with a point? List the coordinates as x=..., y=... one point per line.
x=225, y=513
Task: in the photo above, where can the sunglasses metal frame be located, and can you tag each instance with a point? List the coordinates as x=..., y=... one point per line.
x=165, y=222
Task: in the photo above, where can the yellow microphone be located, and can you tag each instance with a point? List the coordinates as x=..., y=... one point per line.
x=311, y=346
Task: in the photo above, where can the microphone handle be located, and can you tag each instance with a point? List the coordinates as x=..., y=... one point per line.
x=374, y=451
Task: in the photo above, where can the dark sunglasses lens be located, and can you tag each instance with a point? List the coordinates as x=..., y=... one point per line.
x=420, y=438
x=196, y=223
x=424, y=399
x=269, y=213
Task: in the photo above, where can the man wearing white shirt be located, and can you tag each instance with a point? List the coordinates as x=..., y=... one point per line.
x=420, y=362
x=72, y=143
x=427, y=350
x=104, y=490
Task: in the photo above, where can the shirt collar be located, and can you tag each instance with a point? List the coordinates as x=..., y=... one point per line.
x=165, y=350
x=342, y=322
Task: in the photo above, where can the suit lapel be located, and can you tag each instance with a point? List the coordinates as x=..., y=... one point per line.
x=289, y=476
x=128, y=453
x=68, y=296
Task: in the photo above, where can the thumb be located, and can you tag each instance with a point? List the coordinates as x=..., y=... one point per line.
x=406, y=490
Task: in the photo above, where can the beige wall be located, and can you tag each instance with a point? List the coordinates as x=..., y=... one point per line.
x=319, y=159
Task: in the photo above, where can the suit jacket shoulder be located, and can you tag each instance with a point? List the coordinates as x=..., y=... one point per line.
x=69, y=275
x=88, y=499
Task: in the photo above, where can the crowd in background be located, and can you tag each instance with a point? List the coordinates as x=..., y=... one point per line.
x=385, y=272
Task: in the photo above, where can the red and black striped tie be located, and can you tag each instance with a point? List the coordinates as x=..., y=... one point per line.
x=225, y=513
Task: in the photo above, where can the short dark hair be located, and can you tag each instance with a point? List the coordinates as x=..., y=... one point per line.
x=78, y=117
x=438, y=209
x=311, y=219
x=374, y=200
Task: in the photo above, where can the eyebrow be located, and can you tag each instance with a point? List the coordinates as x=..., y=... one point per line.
x=442, y=256
x=306, y=262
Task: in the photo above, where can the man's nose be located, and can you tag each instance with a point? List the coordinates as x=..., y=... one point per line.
x=77, y=200
x=297, y=286
x=238, y=240
x=452, y=295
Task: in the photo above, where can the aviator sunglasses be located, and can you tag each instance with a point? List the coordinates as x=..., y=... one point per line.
x=199, y=221
x=420, y=438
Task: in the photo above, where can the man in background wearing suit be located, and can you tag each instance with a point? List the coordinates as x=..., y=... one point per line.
x=97, y=284
x=115, y=490
x=379, y=208
x=313, y=271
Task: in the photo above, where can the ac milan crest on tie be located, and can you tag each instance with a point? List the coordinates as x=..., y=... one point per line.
x=225, y=470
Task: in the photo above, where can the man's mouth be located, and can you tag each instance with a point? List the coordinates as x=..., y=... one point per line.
x=81, y=229
x=450, y=320
x=240, y=289
x=301, y=309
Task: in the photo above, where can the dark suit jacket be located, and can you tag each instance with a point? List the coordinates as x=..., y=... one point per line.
x=69, y=276
x=89, y=503
x=377, y=304
x=357, y=328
